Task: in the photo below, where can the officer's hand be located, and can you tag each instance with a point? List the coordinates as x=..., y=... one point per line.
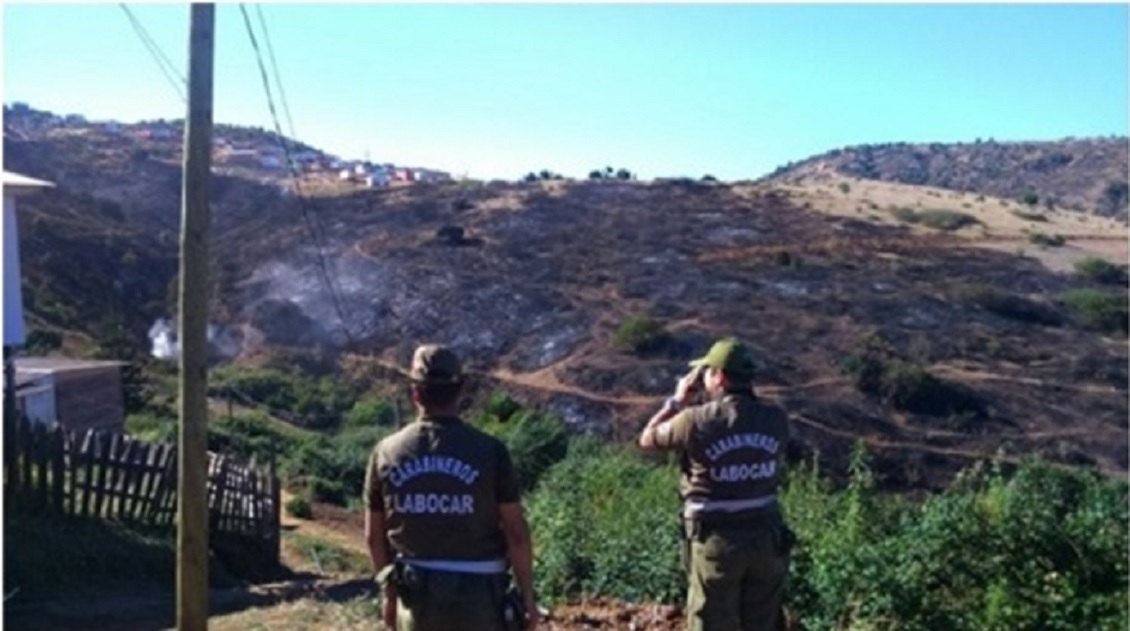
x=688, y=386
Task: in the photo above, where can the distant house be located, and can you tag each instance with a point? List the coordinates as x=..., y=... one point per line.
x=79, y=394
x=345, y=175
x=377, y=179
x=15, y=185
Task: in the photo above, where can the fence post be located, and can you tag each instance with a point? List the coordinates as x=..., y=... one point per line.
x=58, y=443
x=274, y=541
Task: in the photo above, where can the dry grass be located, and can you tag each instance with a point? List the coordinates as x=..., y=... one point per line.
x=1002, y=227
x=306, y=614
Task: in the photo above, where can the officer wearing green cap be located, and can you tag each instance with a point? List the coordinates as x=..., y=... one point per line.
x=736, y=544
x=444, y=518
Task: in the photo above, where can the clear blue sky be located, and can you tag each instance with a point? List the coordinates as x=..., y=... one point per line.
x=497, y=91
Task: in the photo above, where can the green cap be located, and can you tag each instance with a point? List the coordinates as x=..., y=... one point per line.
x=433, y=363
x=731, y=357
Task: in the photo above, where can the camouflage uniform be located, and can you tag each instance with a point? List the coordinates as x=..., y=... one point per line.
x=439, y=483
x=737, y=545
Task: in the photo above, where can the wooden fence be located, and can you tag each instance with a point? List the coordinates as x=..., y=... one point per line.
x=99, y=475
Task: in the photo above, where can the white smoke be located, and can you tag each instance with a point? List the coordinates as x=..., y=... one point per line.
x=164, y=339
x=163, y=336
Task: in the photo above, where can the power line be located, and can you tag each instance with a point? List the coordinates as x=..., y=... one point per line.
x=167, y=68
x=275, y=69
x=310, y=225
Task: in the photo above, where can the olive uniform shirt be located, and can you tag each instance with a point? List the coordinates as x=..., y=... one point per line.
x=439, y=482
x=732, y=450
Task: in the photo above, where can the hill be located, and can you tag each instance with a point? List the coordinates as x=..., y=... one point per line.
x=1089, y=175
x=902, y=316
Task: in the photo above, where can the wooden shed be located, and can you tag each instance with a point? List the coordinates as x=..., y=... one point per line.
x=79, y=393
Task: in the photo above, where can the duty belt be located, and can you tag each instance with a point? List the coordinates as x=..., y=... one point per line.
x=696, y=508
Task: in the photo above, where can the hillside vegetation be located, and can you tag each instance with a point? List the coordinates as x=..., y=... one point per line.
x=1087, y=174
x=585, y=299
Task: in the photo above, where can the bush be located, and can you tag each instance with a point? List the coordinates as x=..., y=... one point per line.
x=844, y=187
x=937, y=219
x=906, y=385
x=1042, y=548
x=946, y=219
x=299, y=507
x=536, y=442
x=314, y=403
x=1101, y=271
x=1007, y=305
x=151, y=427
x=369, y=413
x=252, y=434
x=1048, y=241
x=606, y=522
x=1099, y=310
x=639, y=334
x=41, y=341
x=992, y=552
x=1030, y=215
x=1030, y=199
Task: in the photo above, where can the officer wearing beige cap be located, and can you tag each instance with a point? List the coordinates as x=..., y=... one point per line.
x=444, y=520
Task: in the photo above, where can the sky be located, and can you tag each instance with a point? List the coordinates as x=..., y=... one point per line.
x=496, y=91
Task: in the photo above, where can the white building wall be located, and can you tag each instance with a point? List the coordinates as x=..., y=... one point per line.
x=14, y=329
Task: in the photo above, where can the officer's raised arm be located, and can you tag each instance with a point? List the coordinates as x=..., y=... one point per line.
x=659, y=433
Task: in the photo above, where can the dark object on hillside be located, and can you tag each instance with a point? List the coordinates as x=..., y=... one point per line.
x=462, y=203
x=455, y=236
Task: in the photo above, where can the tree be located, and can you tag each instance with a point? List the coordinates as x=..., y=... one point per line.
x=1031, y=199
x=596, y=174
x=624, y=174
x=115, y=343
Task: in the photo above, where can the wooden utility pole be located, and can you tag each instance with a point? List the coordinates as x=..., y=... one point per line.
x=192, y=496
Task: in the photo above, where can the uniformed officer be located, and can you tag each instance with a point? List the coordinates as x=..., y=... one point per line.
x=732, y=448
x=444, y=520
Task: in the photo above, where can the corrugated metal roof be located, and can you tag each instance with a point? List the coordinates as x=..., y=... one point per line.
x=59, y=364
x=14, y=183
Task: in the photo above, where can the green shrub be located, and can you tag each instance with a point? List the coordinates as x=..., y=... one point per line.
x=906, y=215
x=605, y=522
x=250, y=434
x=1101, y=271
x=41, y=341
x=938, y=219
x=299, y=507
x=151, y=427
x=1007, y=305
x=315, y=403
x=370, y=413
x=906, y=385
x=844, y=187
x=1098, y=310
x=992, y=552
x=1030, y=215
x=1030, y=199
x=500, y=407
x=946, y=219
x=1048, y=241
x=639, y=334
x=536, y=442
